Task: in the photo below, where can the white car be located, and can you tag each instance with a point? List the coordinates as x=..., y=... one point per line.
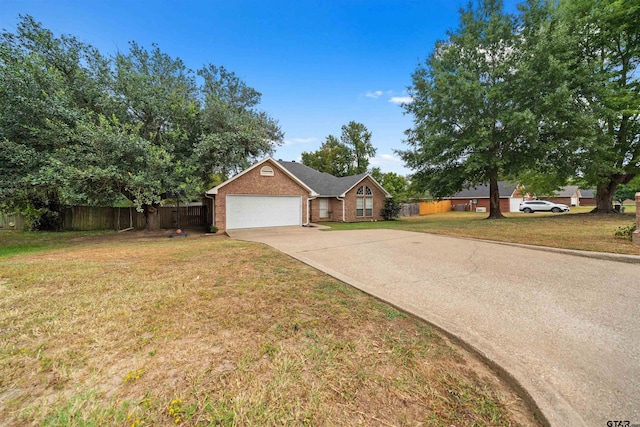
x=531, y=206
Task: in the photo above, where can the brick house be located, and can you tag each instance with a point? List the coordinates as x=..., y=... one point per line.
x=275, y=193
x=569, y=195
x=478, y=197
x=587, y=197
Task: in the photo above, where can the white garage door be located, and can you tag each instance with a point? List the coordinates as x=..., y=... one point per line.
x=514, y=204
x=248, y=211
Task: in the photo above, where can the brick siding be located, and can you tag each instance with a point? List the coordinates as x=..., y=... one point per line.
x=252, y=182
x=335, y=205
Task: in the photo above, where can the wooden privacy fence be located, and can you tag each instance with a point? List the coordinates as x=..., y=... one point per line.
x=11, y=222
x=87, y=218
x=435, y=207
x=409, y=209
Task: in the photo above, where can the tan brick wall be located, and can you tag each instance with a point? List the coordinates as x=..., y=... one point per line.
x=350, y=203
x=253, y=183
x=334, y=206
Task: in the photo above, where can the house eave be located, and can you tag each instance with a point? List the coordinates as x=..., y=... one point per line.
x=213, y=191
x=386, y=193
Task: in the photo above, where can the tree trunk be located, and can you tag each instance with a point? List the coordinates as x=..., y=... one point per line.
x=604, y=198
x=494, y=200
x=151, y=217
x=605, y=191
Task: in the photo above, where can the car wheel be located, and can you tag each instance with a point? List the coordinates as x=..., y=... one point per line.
x=527, y=210
x=555, y=210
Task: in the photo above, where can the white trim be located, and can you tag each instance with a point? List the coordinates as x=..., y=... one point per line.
x=215, y=189
x=343, y=211
x=386, y=193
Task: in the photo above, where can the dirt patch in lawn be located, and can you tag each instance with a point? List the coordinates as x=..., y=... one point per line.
x=139, y=329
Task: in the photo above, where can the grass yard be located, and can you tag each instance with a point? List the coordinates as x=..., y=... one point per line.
x=137, y=329
x=576, y=230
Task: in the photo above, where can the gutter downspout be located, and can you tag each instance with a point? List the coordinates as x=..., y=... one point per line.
x=309, y=199
x=341, y=198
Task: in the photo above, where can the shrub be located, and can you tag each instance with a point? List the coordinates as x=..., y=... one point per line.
x=211, y=228
x=625, y=232
x=391, y=209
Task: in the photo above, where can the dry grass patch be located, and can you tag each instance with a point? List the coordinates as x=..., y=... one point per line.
x=141, y=330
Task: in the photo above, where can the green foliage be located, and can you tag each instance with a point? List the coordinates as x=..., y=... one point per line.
x=358, y=139
x=49, y=84
x=333, y=158
x=79, y=127
x=600, y=39
x=346, y=156
x=625, y=232
x=396, y=185
x=234, y=133
x=468, y=129
x=552, y=92
x=628, y=191
x=391, y=209
x=42, y=213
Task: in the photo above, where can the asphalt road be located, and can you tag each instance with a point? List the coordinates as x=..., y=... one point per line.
x=566, y=328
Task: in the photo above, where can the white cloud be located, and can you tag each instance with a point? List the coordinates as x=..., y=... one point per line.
x=401, y=99
x=299, y=141
x=390, y=157
x=375, y=94
x=390, y=163
x=385, y=159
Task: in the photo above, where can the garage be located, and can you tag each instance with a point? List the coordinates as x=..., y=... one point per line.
x=514, y=204
x=254, y=211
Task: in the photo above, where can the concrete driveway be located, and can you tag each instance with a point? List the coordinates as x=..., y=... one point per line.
x=566, y=328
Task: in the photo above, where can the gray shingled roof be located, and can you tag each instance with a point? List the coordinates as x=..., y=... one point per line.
x=481, y=191
x=322, y=183
x=568, y=191
x=589, y=193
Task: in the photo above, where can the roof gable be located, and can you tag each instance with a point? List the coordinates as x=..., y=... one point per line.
x=325, y=184
x=271, y=162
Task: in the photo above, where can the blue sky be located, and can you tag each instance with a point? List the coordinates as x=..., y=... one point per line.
x=318, y=64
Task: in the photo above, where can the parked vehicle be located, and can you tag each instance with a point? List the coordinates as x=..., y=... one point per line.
x=531, y=206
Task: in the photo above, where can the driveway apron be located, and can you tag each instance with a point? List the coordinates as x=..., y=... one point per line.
x=565, y=328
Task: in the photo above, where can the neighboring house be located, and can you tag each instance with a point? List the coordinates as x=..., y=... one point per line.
x=478, y=197
x=569, y=195
x=587, y=197
x=275, y=193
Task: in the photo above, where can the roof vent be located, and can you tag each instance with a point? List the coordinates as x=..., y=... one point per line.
x=266, y=171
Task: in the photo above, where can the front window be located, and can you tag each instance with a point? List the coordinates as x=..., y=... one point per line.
x=324, y=208
x=364, y=201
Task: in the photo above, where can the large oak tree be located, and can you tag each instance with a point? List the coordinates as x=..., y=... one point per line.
x=600, y=40
x=79, y=127
x=467, y=128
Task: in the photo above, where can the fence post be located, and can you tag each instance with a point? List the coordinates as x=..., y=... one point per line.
x=636, y=234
